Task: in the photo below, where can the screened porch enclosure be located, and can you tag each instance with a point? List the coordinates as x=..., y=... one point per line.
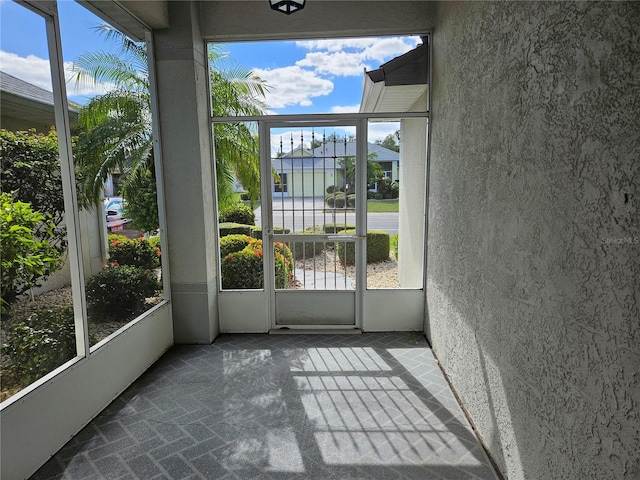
x=329, y=262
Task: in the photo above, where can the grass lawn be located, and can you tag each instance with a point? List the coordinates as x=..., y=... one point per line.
x=382, y=205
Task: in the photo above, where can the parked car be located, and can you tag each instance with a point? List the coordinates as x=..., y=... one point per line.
x=113, y=207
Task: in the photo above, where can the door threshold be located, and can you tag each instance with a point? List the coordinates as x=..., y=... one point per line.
x=314, y=331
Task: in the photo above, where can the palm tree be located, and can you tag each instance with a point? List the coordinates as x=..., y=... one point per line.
x=116, y=130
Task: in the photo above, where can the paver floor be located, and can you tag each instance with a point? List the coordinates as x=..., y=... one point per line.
x=370, y=406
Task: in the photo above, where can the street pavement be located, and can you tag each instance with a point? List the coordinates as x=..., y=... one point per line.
x=301, y=213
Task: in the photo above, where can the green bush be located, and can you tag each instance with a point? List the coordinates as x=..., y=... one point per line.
x=237, y=213
x=377, y=247
x=301, y=250
x=244, y=270
x=371, y=194
x=234, y=243
x=378, y=196
x=331, y=189
x=138, y=252
x=351, y=200
x=389, y=189
x=393, y=241
x=336, y=200
x=331, y=228
x=120, y=291
x=230, y=228
x=26, y=258
x=256, y=232
x=31, y=171
x=41, y=343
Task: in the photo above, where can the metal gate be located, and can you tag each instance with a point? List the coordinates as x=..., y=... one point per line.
x=313, y=192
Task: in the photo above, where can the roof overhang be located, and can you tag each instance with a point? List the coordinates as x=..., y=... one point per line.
x=398, y=85
x=132, y=17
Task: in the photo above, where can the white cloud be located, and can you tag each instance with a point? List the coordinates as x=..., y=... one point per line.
x=337, y=45
x=345, y=108
x=293, y=86
x=349, y=57
x=386, y=48
x=334, y=63
x=380, y=130
x=36, y=71
x=31, y=69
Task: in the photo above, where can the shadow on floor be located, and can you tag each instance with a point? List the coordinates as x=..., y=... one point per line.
x=370, y=406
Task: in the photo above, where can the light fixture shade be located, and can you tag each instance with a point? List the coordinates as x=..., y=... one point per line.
x=287, y=6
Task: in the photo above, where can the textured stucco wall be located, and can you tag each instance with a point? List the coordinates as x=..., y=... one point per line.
x=534, y=241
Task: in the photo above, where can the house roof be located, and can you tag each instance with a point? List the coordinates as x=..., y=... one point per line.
x=397, y=85
x=342, y=149
x=327, y=156
x=28, y=102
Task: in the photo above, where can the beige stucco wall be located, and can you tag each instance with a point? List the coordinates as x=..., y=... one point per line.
x=533, y=253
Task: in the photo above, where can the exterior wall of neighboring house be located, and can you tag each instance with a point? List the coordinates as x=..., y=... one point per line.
x=533, y=260
x=305, y=180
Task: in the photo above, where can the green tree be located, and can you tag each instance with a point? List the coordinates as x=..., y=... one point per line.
x=348, y=163
x=391, y=141
x=116, y=130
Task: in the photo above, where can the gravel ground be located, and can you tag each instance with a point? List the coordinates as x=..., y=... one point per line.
x=62, y=297
x=379, y=275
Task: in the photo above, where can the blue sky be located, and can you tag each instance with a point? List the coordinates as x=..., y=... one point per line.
x=320, y=76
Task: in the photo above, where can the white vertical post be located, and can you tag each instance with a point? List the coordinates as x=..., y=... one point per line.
x=264, y=133
x=157, y=161
x=67, y=173
x=361, y=217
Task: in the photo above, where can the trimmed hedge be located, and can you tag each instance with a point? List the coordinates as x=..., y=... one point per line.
x=377, y=247
x=243, y=269
x=230, y=228
x=336, y=200
x=234, y=243
x=138, y=252
x=256, y=232
x=331, y=228
x=237, y=213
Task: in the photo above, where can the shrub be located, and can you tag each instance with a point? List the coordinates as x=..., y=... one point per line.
x=331, y=189
x=26, y=258
x=244, y=196
x=136, y=253
x=371, y=194
x=31, y=170
x=234, y=243
x=331, y=228
x=237, y=213
x=120, y=290
x=301, y=250
x=244, y=270
x=256, y=232
x=41, y=343
x=351, y=200
x=230, y=228
x=377, y=247
x=393, y=241
x=378, y=196
x=388, y=188
x=335, y=200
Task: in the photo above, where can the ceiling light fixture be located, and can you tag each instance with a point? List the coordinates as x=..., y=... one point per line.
x=287, y=6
